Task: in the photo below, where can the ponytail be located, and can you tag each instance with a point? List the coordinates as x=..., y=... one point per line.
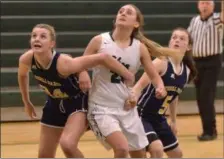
x=188, y=60
x=155, y=49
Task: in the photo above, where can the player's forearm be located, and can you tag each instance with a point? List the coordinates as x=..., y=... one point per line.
x=153, y=74
x=157, y=81
x=141, y=84
x=115, y=66
x=137, y=91
x=83, y=72
x=24, y=87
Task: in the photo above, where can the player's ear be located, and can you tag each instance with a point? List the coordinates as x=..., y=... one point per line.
x=189, y=47
x=53, y=44
x=136, y=25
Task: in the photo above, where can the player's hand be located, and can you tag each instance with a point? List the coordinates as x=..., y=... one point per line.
x=30, y=110
x=131, y=102
x=173, y=127
x=84, y=81
x=160, y=92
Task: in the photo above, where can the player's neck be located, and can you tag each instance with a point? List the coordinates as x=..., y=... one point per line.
x=177, y=66
x=175, y=62
x=121, y=34
x=44, y=59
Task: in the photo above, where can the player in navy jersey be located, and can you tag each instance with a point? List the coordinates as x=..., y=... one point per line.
x=64, y=115
x=175, y=73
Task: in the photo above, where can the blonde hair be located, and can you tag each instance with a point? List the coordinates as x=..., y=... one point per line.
x=154, y=48
x=49, y=28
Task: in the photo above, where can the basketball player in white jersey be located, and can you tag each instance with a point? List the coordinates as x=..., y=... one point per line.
x=114, y=126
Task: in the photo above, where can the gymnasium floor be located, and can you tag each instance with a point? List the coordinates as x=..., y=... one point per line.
x=20, y=140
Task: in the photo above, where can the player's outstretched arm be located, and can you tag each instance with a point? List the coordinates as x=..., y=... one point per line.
x=67, y=65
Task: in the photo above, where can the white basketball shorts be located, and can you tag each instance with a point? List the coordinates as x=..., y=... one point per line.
x=106, y=120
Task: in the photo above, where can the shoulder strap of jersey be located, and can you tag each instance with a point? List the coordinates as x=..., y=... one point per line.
x=54, y=61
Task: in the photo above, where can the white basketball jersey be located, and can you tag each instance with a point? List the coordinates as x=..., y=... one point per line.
x=107, y=88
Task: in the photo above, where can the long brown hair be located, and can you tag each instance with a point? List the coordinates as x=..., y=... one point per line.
x=188, y=58
x=154, y=48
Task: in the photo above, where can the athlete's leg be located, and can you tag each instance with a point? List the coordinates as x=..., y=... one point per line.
x=119, y=143
x=175, y=153
x=169, y=140
x=155, y=148
x=75, y=127
x=49, y=138
x=52, y=124
x=134, y=131
x=107, y=129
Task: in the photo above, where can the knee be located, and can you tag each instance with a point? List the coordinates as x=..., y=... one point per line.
x=156, y=152
x=121, y=151
x=47, y=151
x=175, y=154
x=178, y=154
x=67, y=144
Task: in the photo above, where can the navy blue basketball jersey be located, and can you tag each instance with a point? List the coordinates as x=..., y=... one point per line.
x=149, y=104
x=52, y=83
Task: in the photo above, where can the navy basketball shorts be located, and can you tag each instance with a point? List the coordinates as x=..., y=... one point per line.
x=57, y=111
x=160, y=130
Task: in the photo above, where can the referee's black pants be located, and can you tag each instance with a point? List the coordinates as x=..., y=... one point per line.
x=205, y=83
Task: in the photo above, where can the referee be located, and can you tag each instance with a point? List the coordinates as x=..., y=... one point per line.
x=206, y=30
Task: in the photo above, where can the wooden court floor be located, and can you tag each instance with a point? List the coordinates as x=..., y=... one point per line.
x=20, y=140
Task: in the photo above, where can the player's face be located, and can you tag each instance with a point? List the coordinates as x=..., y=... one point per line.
x=180, y=40
x=127, y=16
x=206, y=7
x=41, y=40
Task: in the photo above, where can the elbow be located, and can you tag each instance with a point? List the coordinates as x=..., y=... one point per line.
x=22, y=75
x=20, y=58
x=22, y=78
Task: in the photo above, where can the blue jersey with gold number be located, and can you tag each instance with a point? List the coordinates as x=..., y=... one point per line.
x=148, y=104
x=52, y=83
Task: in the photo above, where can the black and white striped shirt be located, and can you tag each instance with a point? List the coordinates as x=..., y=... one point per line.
x=207, y=35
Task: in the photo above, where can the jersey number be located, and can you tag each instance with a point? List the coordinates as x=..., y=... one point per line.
x=165, y=104
x=115, y=78
x=57, y=93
